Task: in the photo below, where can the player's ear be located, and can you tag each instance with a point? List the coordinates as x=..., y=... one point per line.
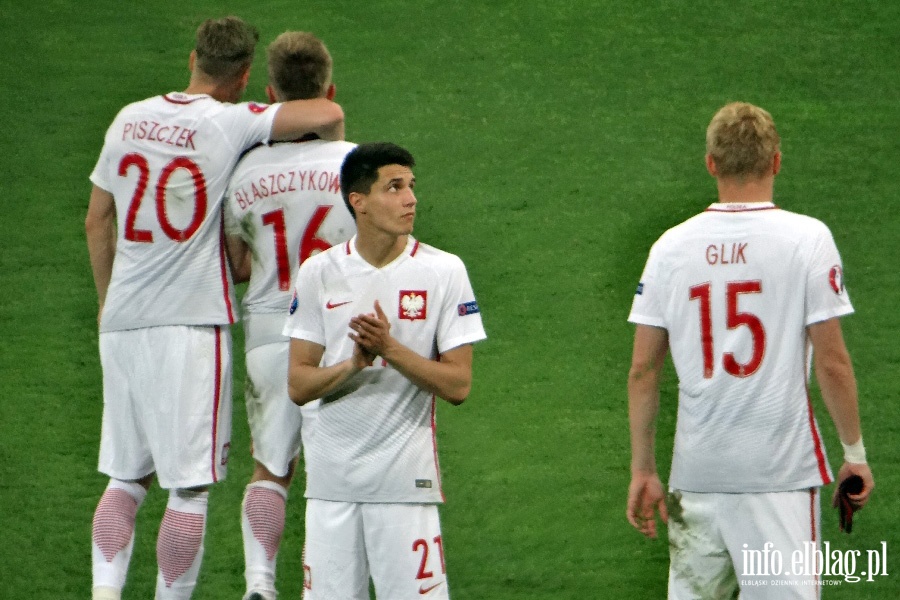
x=191, y=60
x=245, y=78
x=711, y=165
x=776, y=163
x=331, y=91
x=358, y=202
x=270, y=94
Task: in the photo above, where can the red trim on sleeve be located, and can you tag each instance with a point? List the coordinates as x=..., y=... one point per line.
x=223, y=267
x=415, y=248
x=348, y=247
x=437, y=465
x=817, y=442
x=216, y=398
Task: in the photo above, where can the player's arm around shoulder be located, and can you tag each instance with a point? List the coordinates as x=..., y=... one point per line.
x=100, y=229
x=837, y=382
x=298, y=117
x=645, y=492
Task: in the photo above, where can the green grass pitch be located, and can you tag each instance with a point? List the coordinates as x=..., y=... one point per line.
x=556, y=141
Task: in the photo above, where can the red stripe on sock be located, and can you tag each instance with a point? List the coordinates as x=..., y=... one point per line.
x=180, y=538
x=113, y=525
x=265, y=512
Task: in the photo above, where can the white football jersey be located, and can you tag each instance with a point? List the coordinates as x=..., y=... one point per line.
x=284, y=200
x=374, y=441
x=166, y=161
x=736, y=287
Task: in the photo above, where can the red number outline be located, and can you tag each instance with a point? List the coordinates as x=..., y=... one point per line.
x=200, y=198
x=310, y=243
x=181, y=235
x=733, y=320
x=702, y=292
x=275, y=218
x=131, y=234
x=422, y=574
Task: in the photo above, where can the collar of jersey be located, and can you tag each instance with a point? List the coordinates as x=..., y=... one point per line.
x=740, y=206
x=182, y=98
x=412, y=246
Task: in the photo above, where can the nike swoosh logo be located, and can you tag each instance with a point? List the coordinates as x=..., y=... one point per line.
x=329, y=304
x=425, y=590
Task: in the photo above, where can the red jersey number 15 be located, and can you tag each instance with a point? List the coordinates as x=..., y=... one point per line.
x=733, y=319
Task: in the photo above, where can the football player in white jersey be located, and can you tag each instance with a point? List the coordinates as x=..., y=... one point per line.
x=283, y=205
x=740, y=295
x=154, y=231
x=380, y=325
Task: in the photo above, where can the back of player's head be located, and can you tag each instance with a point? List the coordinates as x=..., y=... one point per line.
x=360, y=168
x=225, y=47
x=742, y=140
x=299, y=66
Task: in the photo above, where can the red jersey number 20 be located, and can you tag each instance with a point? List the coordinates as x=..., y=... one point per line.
x=733, y=319
x=133, y=234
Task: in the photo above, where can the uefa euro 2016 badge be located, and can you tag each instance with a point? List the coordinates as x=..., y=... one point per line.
x=293, y=303
x=836, y=279
x=413, y=304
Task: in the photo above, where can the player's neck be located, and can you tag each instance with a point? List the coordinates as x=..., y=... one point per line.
x=379, y=248
x=223, y=92
x=745, y=191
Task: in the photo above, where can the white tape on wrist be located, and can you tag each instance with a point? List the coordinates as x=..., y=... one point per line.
x=855, y=453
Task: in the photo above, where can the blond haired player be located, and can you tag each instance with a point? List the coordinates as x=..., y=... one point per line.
x=380, y=325
x=740, y=295
x=154, y=231
x=283, y=205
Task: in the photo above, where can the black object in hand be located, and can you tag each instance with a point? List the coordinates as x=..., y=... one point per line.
x=851, y=485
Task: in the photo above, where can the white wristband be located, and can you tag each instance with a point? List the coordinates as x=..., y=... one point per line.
x=855, y=453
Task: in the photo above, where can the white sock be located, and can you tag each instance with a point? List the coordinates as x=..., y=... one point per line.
x=112, y=535
x=179, y=548
x=262, y=524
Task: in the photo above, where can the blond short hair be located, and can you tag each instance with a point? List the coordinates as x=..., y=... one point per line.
x=742, y=140
x=299, y=66
x=225, y=47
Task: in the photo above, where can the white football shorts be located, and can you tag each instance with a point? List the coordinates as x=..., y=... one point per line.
x=761, y=544
x=275, y=421
x=399, y=545
x=166, y=404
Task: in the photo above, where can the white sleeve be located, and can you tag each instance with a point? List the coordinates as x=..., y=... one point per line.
x=250, y=122
x=826, y=296
x=100, y=175
x=304, y=320
x=460, y=318
x=647, y=306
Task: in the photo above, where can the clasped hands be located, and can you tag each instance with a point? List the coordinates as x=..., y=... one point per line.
x=371, y=334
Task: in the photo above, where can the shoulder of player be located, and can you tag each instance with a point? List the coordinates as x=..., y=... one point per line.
x=295, y=153
x=326, y=258
x=801, y=221
x=437, y=259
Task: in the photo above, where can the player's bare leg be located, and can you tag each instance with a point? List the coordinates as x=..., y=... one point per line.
x=262, y=525
x=112, y=535
x=179, y=547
